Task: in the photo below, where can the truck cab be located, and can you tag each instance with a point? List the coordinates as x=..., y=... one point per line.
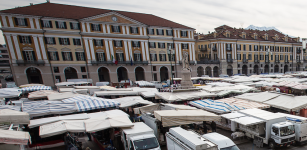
x=139, y=137
x=282, y=134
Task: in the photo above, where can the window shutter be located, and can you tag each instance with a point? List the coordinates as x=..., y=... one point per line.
x=26, y=22
x=70, y=25
x=134, y=57
x=157, y=31
x=121, y=43
x=65, y=25
x=154, y=44
x=50, y=23
x=83, y=55
x=137, y=30
x=79, y=26
x=63, y=56
x=97, y=58
x=42, y=23
x=182, y=45
x=95, y=43
x=147, y=31
x=114, y=43
x=181, y=33
x=112, y=28
x=74, y=41
x=101, y=42
x=20, y=39
x=24, y=55
x=45, y=40
x=130, y=29
x=60, y=41
x=92, y=26
x=139, y=44
x=48, y=54
x=70, y=53
x=68, y=41
x=162, y=32
x=57, y=55
x=56, y=24
x=33, y=54
x=53, y=39
x=119, y=28
x=76, y=53
x=16, y=21
x=99, y=27
x=30, y=40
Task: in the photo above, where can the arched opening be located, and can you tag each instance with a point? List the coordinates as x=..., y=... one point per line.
x=34, y=75
x=216, y=71
x=286, y=68
x=200, y=71
x=208, y=71
x=122, y=74
x=244, y=69
x=70, y=73
x=229, y=70
x=163, y=73
x=276, y=69
x=256, y=69
x=266, y=69
x=139, y=74
x=103, y=74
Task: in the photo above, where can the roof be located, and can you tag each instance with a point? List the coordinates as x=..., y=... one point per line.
x=78, y=12
x=221, y=140
x=236, y=33
x=261, y=114
x=137, y=128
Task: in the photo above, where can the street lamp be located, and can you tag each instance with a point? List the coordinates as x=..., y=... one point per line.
x=169, y=52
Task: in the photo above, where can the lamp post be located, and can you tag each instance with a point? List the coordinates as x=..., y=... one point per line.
x=169, y=52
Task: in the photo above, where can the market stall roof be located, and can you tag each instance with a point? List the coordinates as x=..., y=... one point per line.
x=183, y=96
x=247, y=120
x=258, y=97
x=216, y=89
x=300, y=87
x=288, y=102
x=131, y=101
x=292, y=84
x=9, y=92
x=28, y=85
x=148, y=108
x=232, y=115
x=11, y=107
x=220, y=84
x=14, y=137
x=64, y=83
x=181, y=117
x=12, y=116
x=61, y=96
x=264, y=83
x=118, y=92
x=175, y=107
x=240, y=103
x=61, y=127
x=146, y=92
x=86, y=87
x=144, y=83
x=41, y=108
x=261, y=114
x=106, y=87
x=293, y=117
x=215, y=106
x=34, y=88
x=41, y=94
x=162, y=106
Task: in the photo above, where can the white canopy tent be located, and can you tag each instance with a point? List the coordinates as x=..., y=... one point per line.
x=131, y=101
x=258, y=97
x=114, y=93
x=61, y=127
x=288, y=102
x=12, y=116
x=183, y=96
x=146, y=92
x=61, y=96
x=14, y=137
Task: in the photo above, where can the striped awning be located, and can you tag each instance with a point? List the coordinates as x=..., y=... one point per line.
x=86, y=103
x=34, y=88
x=215, y=106
x=11, y=107
x=41, y=108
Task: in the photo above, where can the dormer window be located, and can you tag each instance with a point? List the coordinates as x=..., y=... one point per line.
x=150, y=31
x=286, y=39
x=214, y=34
x=160, y=32
x=184, y=33
x=227, y=35
x=266, y=37
x=243, y=36
x=255, y=37
x=276, y=37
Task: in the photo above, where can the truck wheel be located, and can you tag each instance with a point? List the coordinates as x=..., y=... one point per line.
x=272, y=145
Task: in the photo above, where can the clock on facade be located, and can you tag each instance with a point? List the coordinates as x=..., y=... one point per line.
x=114, y=18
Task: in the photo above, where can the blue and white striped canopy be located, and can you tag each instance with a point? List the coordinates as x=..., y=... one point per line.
x=11, y=107
x=86, y=103
x=41, y=108
x=211, y=105
x=34, y=88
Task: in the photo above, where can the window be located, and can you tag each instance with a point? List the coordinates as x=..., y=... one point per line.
x=243, y=36
x=169, y=32
x=281, y=57
x=153, y=57
x=160, y=32
x=116, y=29
x=118, y=43
x=244, y=56
x=244, y=47
x=250, y=47
x=101, y=56
x=239, y=56
x=155, y=77
x=161, y=45
x=67, y=56
x=154, y=68
x=76, y=41
x=64, y=41
x=25, y=39
x=266, y=37
x=255, y=37
x=227, y=35
x=74, y=26
x=170, y=46
x=255, y=57
x=238, y=46
x=58, y=79
x=238, y=65
x=162, y=57
x=136, y=43
x=171, y=57
x=60, y=25
x=80, y=56
x=249, y=56
x=21, y=22
x=255, y=47
x=83, y=69
x=184, y=33
x=215, y=57
x=56, y=70
x=50, y=40
x=239, y=72
x=53, y=56
x=134, y=30
x=119, y=56
x=261, y=57
x=137, y=57
x=184, y=46
x=150, y=31
x=46, y=24
x=29, y=55
x=84, y=76
x=271, y=57
x=98, y=42
x=152, y=44
x=96, y=27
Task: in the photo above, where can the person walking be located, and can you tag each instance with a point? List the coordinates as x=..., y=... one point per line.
x=213, y=126
x=205, y=127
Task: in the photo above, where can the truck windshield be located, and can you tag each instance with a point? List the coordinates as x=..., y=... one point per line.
x=146, y=144
x=231, y=148
x=284, y=131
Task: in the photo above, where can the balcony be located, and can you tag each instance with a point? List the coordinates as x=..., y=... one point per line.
x=228, y=48
x=214, y=48
x=298, y=51
x=286, y=61
x=101, y=62
x=256, y=60
x=191, y=62
x=24, y=62
x=277, y=61
x=203, y=49
x=120, y=62
x=4, y=64
x=245, y=60
x=207, y=61
x=267, y=61
x=140, y=62
x=229, y=60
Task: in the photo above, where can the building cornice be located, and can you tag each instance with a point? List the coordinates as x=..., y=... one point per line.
x=8, y=29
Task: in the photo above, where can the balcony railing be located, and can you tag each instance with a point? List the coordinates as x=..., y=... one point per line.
x=245, y=60
x=286, y=61
x=24, y=62
x=298, y=51
x=267, y=61
x=229, y=60
x=4, y=64
x=191, y=62
x=214, y=48
x=277, y=61
x=256, y=60
x=207, y=61
x=203, y=49
x=228, y=48
x=120, y=62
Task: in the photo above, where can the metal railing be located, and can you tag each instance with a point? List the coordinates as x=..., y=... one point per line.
x=207, y=61
x=277, y=61
x=230, y=60
x=203, y=49
x=228, y=48
x=256, y=60
x=119, y=62
x=245, y=60
x=24, y=62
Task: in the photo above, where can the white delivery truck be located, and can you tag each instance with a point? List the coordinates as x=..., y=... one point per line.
x=300, y=124
x=180, y=139
x=223, y=142
x=264, y=127
x=139, y=137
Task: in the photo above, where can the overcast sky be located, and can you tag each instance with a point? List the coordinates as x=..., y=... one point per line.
x=204, y=15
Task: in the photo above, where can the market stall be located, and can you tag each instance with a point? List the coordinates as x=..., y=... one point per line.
x=41, y=94
x=183, y=96
x=13, y=116
x=34, y=88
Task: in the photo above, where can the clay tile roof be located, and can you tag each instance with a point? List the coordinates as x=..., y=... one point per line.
x=78, y=12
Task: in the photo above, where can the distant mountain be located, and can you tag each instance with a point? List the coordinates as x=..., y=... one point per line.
x=266, y=28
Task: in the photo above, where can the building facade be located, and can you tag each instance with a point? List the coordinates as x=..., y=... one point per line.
x=48, y=46
x=232, y=51
x=5, y=68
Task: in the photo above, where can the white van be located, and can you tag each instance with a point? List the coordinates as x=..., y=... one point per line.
x=223, y=142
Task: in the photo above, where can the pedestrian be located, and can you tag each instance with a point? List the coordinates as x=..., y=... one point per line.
x=89, y=136
x=213, y=126
x=205, y=127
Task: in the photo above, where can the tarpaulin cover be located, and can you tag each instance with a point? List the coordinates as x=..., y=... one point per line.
x=215, y=106
x=9, y=92
x=183, y=96
x=243, y=103
x=258, y=97
x=61, y=127
x=14, y=137
x=131, y=101
x=41, y=94
x=181, y=117
x=34, y=88
x=288, y=102
x=11, y=107
x=12, y=116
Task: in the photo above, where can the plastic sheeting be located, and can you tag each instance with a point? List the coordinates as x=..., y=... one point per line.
x=11, y=107
x=61, y=127
x=288, y=102
x=243, y=103
x=41, y=94
x=14, y=137
x=258, y=97
x=215, y=106
x=181, y=117
x=131, y=101
x=9, y=92
x=12, y=116
x=144, y=83
x=183, y=96
x=34, y=88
